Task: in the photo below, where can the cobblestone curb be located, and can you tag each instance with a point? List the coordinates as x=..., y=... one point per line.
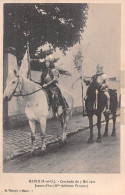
x=84, y=128
x=15, y=121
x=51, y=141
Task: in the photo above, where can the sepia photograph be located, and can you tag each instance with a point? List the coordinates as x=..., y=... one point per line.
x=61, y=81
x=62, y=97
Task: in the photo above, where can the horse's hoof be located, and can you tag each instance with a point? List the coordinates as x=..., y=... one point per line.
x=63, y=141
x=98, y=140
x=113, y=134
x=43, y=149
x=105, y=134
x=90, y=140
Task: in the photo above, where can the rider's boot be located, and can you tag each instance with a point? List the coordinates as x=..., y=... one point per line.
x=108, y=111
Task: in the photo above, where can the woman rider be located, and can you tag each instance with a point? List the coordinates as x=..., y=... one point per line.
x=49, y=80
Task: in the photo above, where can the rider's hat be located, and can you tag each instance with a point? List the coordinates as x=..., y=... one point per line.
x=99, y=66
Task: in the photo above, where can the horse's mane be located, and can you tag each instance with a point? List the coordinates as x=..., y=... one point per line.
x=92, y=87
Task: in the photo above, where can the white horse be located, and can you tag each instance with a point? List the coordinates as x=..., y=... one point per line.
x=36, y=105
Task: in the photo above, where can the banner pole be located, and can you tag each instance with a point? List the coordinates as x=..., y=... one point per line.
x=82, y=77
x=82, y=89
x=28, y=59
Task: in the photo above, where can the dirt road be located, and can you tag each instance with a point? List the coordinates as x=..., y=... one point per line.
x=76, y=156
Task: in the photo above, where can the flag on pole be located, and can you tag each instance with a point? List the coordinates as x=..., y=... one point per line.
x=78, y=62
x=25, y=65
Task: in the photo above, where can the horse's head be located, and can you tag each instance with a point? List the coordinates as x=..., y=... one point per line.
x=11, y=85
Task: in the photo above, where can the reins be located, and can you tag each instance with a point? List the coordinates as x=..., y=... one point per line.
x=16, y=95
x=28, y=93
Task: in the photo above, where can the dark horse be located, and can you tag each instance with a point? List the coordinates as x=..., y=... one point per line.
x=101, y=104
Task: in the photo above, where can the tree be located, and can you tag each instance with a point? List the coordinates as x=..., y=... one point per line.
x=60, y=25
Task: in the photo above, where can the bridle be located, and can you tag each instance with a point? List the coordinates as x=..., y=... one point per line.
x=20, y=94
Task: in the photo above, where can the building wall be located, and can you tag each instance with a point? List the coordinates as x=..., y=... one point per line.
x=65, y=82
x=17, y=105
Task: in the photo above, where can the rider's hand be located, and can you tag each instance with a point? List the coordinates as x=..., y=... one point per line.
x=45, y=85
x=84, y=79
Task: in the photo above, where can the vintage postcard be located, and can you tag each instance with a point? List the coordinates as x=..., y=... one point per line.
x=62, y=97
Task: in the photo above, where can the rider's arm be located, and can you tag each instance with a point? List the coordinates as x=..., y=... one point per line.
x=55, y=78
x=87, y=81
x=105, y=81
x=55, y=75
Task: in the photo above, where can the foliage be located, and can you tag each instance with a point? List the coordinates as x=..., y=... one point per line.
x=60, y=25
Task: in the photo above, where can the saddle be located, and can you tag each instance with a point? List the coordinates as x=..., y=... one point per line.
x=54, y=101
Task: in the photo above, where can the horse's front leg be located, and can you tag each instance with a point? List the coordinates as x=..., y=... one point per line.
x=63, y=120
x=32, y=124
x=99, y=127
x=106, y=126
x=90, y=140
x=43, y=131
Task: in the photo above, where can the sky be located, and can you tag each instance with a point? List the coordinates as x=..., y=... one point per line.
x=101, y=41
